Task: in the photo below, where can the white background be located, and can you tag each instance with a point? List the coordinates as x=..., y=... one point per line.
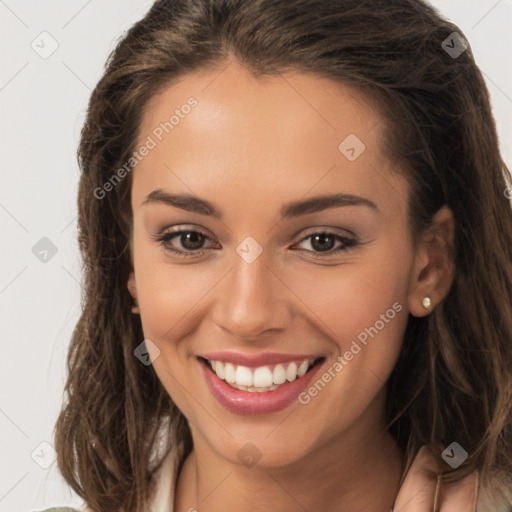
x=42, y=104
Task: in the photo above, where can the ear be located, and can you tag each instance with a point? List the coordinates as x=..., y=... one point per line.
x=434, y=268
x=132, y=288
x=132, y=285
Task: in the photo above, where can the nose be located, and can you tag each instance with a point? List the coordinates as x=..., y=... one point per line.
x=252, y=300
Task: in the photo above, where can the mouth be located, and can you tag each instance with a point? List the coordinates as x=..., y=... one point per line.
x=250, y=389
x=260, y=379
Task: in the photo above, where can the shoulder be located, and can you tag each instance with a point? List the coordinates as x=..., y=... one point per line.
x=420, y=489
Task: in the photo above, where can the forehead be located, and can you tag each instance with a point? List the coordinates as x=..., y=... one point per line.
x=303, y=104
x=293, y=131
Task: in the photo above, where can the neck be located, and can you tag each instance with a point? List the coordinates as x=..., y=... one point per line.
x=338, y=475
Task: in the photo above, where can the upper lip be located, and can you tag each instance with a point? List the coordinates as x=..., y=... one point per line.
x=254, y=360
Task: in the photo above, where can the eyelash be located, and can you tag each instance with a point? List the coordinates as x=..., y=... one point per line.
x=165, y=238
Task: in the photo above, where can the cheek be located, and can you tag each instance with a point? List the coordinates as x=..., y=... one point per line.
x=170, y=296
x=361, y=307
x=364, y=318
x=350, y=298
x=170, y=305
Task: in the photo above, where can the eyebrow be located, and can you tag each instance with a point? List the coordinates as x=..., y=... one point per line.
x=294, y=209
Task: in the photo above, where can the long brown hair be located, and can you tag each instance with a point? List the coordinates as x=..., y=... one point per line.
x=453, y=379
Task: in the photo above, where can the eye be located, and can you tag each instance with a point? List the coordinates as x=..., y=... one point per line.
x=325, y=242
x=191, y=242
x=184, y=242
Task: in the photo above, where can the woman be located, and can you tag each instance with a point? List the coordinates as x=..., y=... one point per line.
x=298, y=281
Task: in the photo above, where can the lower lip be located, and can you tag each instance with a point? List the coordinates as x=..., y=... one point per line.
x=246, y=402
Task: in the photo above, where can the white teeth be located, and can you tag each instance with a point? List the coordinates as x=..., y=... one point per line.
x=254, y=389
x=291, y=372
x=261, y=379
x=219, y=369
x=229, y=373
x=243, y=376
x=279, y=374
x=303, y=368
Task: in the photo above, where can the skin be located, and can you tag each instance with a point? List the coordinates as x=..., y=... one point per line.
x=250, y=147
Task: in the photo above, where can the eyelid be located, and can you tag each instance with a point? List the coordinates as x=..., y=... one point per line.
x=347, y=242
x=331, y=230
x=180, y=228
x=164, y=236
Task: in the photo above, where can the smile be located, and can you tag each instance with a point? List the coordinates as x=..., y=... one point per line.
x=262, y=378
x=257, y=384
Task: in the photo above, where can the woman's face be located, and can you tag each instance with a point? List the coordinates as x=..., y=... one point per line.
x=294, y=246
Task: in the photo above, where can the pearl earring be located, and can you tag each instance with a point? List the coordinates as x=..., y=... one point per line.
x=426, y=303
